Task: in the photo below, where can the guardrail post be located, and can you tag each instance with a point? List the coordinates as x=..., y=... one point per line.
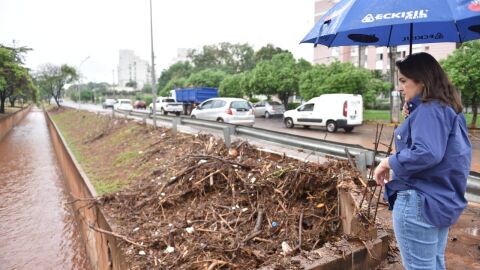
x=175, y=123
x=361, y=161
x=144, y=119
x=126, y=114
x=227, y=132
x=113, y=113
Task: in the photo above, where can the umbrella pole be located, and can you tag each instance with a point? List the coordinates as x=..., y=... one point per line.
x=411, y=38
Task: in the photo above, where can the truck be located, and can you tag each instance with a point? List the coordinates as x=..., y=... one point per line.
x=191, y=97
x=166, y=105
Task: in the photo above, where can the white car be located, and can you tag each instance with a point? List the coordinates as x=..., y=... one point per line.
x=229, y=110
x=109, y=103
x=332, y=111
x=123, y=105
x=268, y=108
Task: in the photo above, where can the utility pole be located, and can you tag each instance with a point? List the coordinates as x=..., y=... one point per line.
x=80, y=80
x=394, y=94
x=154, y=88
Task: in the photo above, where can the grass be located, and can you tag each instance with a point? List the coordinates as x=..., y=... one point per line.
x=376, y=115
x=109, y=162
x=384, y=116
x=9, y=111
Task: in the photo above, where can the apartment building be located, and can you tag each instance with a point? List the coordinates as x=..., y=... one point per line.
x=370, y=57
x=132, y=68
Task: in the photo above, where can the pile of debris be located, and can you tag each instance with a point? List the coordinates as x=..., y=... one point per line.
x=228, y=208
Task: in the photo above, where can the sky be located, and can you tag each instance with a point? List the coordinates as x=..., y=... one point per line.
x=68, y=32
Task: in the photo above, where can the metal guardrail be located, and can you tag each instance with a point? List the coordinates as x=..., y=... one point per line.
x=335, y=149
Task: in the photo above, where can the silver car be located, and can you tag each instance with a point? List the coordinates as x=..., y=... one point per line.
x=229, y=110
x=268, y=109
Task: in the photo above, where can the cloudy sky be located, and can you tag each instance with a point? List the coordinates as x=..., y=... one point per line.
x=67, y=31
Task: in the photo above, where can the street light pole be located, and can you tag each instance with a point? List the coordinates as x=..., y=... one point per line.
x=79, y=79
x=154, y=88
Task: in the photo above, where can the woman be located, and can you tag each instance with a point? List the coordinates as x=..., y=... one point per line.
x=431, y=165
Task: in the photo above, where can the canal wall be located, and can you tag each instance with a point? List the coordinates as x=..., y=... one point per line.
x=102, y=248
x=7, y=123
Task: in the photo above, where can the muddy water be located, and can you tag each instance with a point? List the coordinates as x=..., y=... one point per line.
x=37, y=228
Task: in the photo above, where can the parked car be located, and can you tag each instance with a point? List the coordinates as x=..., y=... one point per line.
x=167, y=105
x=332, y=111
x=268, y=109
x=229, y=110
x=139, y=104
x=123, y=104
x=108, y=103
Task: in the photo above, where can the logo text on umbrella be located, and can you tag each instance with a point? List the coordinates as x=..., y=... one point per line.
x=407, y=15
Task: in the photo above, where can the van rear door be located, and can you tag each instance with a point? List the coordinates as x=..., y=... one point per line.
x=354, y=110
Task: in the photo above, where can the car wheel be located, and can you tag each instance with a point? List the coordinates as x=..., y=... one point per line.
x=331, y=126
x=289, y=122
x=177, y=113
x=163, y=111
x=267, y=115
x=193, y=117
x=220, y=120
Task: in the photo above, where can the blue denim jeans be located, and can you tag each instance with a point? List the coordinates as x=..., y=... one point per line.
x=422, y=246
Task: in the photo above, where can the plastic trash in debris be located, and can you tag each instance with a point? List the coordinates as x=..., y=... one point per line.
x=274, y=224
x=286, y=249
x=136, y=229
x=169, y=249
x=141, y=252
x=189, y=229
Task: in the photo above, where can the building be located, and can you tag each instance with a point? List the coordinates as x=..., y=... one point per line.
x=132, y=68
x=374, y=58
x=182, y=55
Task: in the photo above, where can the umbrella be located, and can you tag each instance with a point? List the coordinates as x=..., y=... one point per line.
x=397, y=22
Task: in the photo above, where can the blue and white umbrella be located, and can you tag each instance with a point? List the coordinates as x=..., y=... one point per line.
x=397, y=22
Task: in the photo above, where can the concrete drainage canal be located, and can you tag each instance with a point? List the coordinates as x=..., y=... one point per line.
x=37, y=226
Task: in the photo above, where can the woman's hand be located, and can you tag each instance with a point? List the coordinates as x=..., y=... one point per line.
x=405, y=111
x=382, y=172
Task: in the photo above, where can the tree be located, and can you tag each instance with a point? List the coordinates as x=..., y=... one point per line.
x=463, y=68
x=232, y=86
x=279, y=76
x=267, y=52
x=230, y=58
x=147, y=88
x=15, y=81
x=51, y=80
x=132, y=84
x=181, y=69
x=172, y=84
x=206, y=78
x=340, y=78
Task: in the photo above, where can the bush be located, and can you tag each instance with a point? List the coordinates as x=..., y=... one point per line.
x=254, y=100
x=292, y=105
x=148, y=100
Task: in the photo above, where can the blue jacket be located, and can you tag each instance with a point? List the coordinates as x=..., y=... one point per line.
x=433, y=157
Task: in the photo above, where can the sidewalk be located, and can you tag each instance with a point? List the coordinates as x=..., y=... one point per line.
x=463, y=246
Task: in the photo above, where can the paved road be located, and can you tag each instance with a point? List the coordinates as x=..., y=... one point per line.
x=363, y=135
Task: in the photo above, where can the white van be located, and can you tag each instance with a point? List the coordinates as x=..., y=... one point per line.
x=330, y=110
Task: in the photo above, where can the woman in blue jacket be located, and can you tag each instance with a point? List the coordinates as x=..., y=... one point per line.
x=431, y=165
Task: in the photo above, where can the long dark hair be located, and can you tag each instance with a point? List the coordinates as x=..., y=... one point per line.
x=422, y=67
